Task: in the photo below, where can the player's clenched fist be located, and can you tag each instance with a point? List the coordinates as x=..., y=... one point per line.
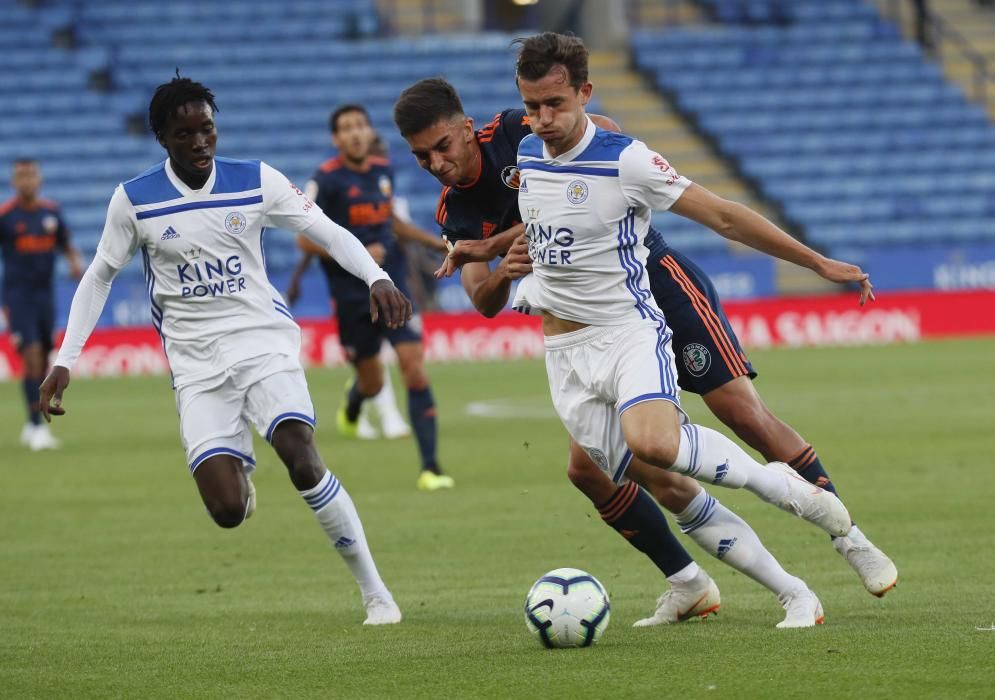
x=387, y=303
x=51, y=392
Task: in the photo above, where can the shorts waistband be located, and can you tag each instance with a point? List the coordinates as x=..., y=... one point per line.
x=578, y=337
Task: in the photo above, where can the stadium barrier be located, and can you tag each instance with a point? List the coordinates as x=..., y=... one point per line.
x=905, y=317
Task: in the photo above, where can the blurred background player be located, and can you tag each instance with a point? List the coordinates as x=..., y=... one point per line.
x=31, y=230
x=355, y=189
x=232, y=345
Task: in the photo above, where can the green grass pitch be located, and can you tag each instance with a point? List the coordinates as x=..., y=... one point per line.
x=115, y=583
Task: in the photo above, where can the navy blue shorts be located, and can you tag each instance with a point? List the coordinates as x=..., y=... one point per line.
x=708, y=353
x=359, y=335
x=31, y=317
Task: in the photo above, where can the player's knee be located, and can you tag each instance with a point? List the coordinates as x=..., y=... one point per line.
x=590, y=481
x=415, y=378
x=655, y=449
x=229, y=511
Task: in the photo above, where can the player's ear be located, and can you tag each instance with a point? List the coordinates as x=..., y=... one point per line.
x=468, y=128
x=585, y=93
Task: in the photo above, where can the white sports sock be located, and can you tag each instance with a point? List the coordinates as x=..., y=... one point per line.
x=340, y=521
x=386, y=401
x=727, y=537
x=708, y=455
x=685, y=575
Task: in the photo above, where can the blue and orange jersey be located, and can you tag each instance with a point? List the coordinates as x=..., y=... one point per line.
x=359, y=200
x=29, y=238
x=490, y=203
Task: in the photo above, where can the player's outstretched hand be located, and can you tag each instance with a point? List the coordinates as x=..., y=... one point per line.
x=517, y=262
x=51, y=392
x=388, y=304
x=836, y=271
x=464, y=252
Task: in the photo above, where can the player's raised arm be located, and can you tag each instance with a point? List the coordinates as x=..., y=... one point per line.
x=650, y=180
x=117, y=246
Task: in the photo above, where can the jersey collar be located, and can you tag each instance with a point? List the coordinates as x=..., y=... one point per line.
x=184, y=189
x=581, y=146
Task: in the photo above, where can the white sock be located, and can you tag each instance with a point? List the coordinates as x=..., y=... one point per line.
x=708, y=455
x=685, y=575
x=386, y=401
x=727, y=537
x=340, y=521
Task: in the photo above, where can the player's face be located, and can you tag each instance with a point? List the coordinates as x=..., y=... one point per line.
x=26, y=180
x=447, y=150
x=556, y=109
x=353, y=136
x=191, y=139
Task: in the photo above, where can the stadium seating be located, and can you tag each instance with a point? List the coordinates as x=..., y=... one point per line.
x=852, y=130
x=277, y=70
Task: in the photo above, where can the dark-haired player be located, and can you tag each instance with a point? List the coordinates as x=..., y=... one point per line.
x=31, y=230
x=355, y=189
x=479, y=209
x=231, y=343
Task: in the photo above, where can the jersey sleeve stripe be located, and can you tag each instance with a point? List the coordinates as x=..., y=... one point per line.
x=208, y=204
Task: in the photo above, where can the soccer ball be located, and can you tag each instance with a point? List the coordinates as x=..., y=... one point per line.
x=567, y=608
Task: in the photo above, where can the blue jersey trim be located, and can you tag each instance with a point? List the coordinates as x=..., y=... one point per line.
x=578, y=169
x=290, y=415
x=530, y=146
x=622, y=466
x=220, y=451
x=643, y=398
x=606, y=145
x=151, y=187
x=236, y=175
x=209, y=204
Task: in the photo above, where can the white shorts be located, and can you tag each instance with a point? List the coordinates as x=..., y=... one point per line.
x=215, y=413
x=599, y=372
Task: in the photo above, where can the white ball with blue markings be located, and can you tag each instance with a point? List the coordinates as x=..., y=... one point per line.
x=567, y=608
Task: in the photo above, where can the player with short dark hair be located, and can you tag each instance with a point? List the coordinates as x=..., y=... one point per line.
x=355, y=189
x=481, y=214
x=232, y=344
x=32, y=229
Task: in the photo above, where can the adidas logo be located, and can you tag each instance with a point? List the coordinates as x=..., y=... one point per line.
x=169, y=234
x=725, y=546
x=344, y=542
x=721, y=471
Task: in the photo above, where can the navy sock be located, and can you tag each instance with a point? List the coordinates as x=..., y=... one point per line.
x=635, y=515
x=421, y=411
x=32, y=397
x=809, y=467
x=354, y=400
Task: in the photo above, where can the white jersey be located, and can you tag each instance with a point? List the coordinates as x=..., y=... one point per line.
x=586, y=215
x=202, y=250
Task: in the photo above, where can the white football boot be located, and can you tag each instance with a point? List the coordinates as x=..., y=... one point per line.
x=26, y=432
x=803, y=609
x=877, y=572
x=381, y=610
x=42, y=439
x=811, y=503
x=364, y=428
x=684, y=601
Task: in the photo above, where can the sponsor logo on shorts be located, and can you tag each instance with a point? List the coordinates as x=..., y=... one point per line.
x=577, y=192
x=235, y=222
x=598, y=457
x=696, y=358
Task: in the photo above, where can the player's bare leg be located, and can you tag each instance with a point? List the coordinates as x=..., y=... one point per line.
x=631, y=512
x=422, y=414
x=654, y=434
x=224, y=488
x=293, y=441
x=738, y=404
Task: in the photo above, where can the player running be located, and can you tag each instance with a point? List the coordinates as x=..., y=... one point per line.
x=355, y=189
x=31, y=230
x=231, y=343
x=480, y=196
